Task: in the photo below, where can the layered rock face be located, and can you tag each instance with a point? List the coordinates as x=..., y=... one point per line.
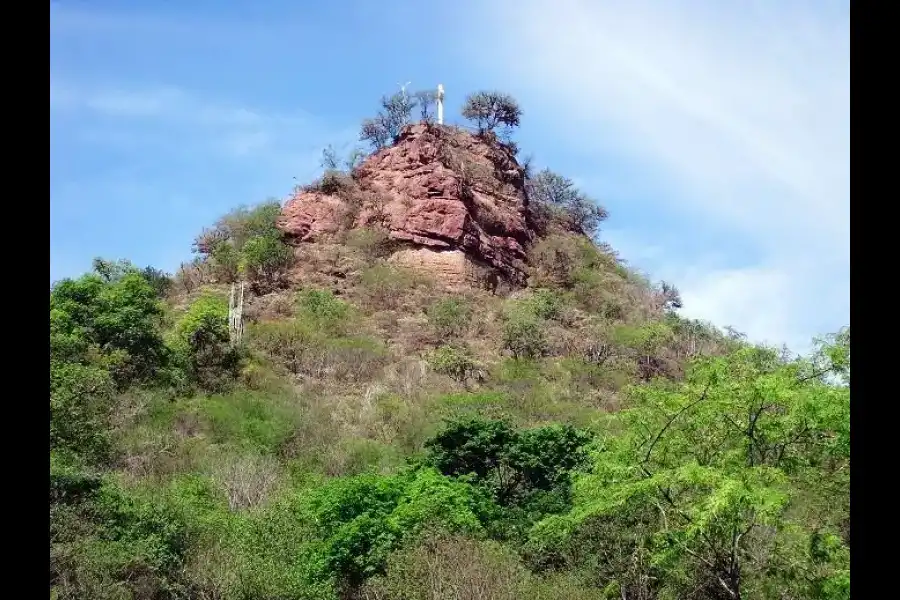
x=454, y=202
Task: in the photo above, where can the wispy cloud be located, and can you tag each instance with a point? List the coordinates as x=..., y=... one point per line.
x=121, y=115
x=738, y=113
x=138, y=170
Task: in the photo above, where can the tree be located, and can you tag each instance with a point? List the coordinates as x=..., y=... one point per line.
x=586, y=215
x=330, y=161
x=118, y=320
x=551, y=189
x=523, y=336
x=80, y=400
x=247, y=241
x=489, y=109
x=362, y=519
x=374, y=132
x=159, y=280
x=266, y=259
x=202, y=343
x=110, y=270
x=554, y=196
x=457, y=363
x=712, y=466
x=386, y=126
x=449, y=317
x=669, y=296
x=425, y=100
x=512, y=465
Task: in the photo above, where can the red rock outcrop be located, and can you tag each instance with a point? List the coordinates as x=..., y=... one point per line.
x=438, y=188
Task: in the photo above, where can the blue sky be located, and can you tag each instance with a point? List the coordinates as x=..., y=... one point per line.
x=716, y=133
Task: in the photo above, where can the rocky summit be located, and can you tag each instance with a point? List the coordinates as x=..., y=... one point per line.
x=454, y=203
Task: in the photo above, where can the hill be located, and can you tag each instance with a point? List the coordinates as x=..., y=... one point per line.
x=447, y=388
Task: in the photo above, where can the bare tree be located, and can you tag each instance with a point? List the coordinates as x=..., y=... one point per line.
x=669, y=296
x=248, y=481
x=330, y=161
x=550, y=192
x=426, y=100
x=374, y=132
x=395, y=114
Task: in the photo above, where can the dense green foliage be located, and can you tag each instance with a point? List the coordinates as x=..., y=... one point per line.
x=246, y=242
x=728, y=480
x=375, y=438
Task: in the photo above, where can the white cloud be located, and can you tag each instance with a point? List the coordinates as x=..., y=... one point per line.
x=740, y=114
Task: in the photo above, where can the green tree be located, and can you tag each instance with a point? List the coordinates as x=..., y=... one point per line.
x=248, y=241
x=712, y=466
x=490, y=109
x=116, y=321
x=80, y=401
x=455, y=362
x=201, y=341
x=449, y=317
x=265, y=260
x=363, y=518
x=513, y=465
x=523, y=335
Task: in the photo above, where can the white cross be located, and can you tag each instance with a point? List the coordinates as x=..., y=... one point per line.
x=440, y=104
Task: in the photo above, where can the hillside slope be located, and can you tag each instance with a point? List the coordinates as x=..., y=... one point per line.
x=447, y=388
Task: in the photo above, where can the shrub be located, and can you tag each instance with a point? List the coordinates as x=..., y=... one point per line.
x=372, y=243
x=305, y=350
x=449, y=317
x=490, y=109
x=544, y=304
x=291, y=343
x=248, y=421
x=201, y=340
x=354, y=359
x=322, y=310
x=334, y=183
x=248, y=481
x=364, y=518
x=476, y=570
x=386, y=286
x=80, y=400
x=456, y=363
x=523, y=336
x=132, y=547
x=595, y=279
x=558, y=259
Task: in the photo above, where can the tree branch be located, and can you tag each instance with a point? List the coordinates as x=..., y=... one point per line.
x=672, y=420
